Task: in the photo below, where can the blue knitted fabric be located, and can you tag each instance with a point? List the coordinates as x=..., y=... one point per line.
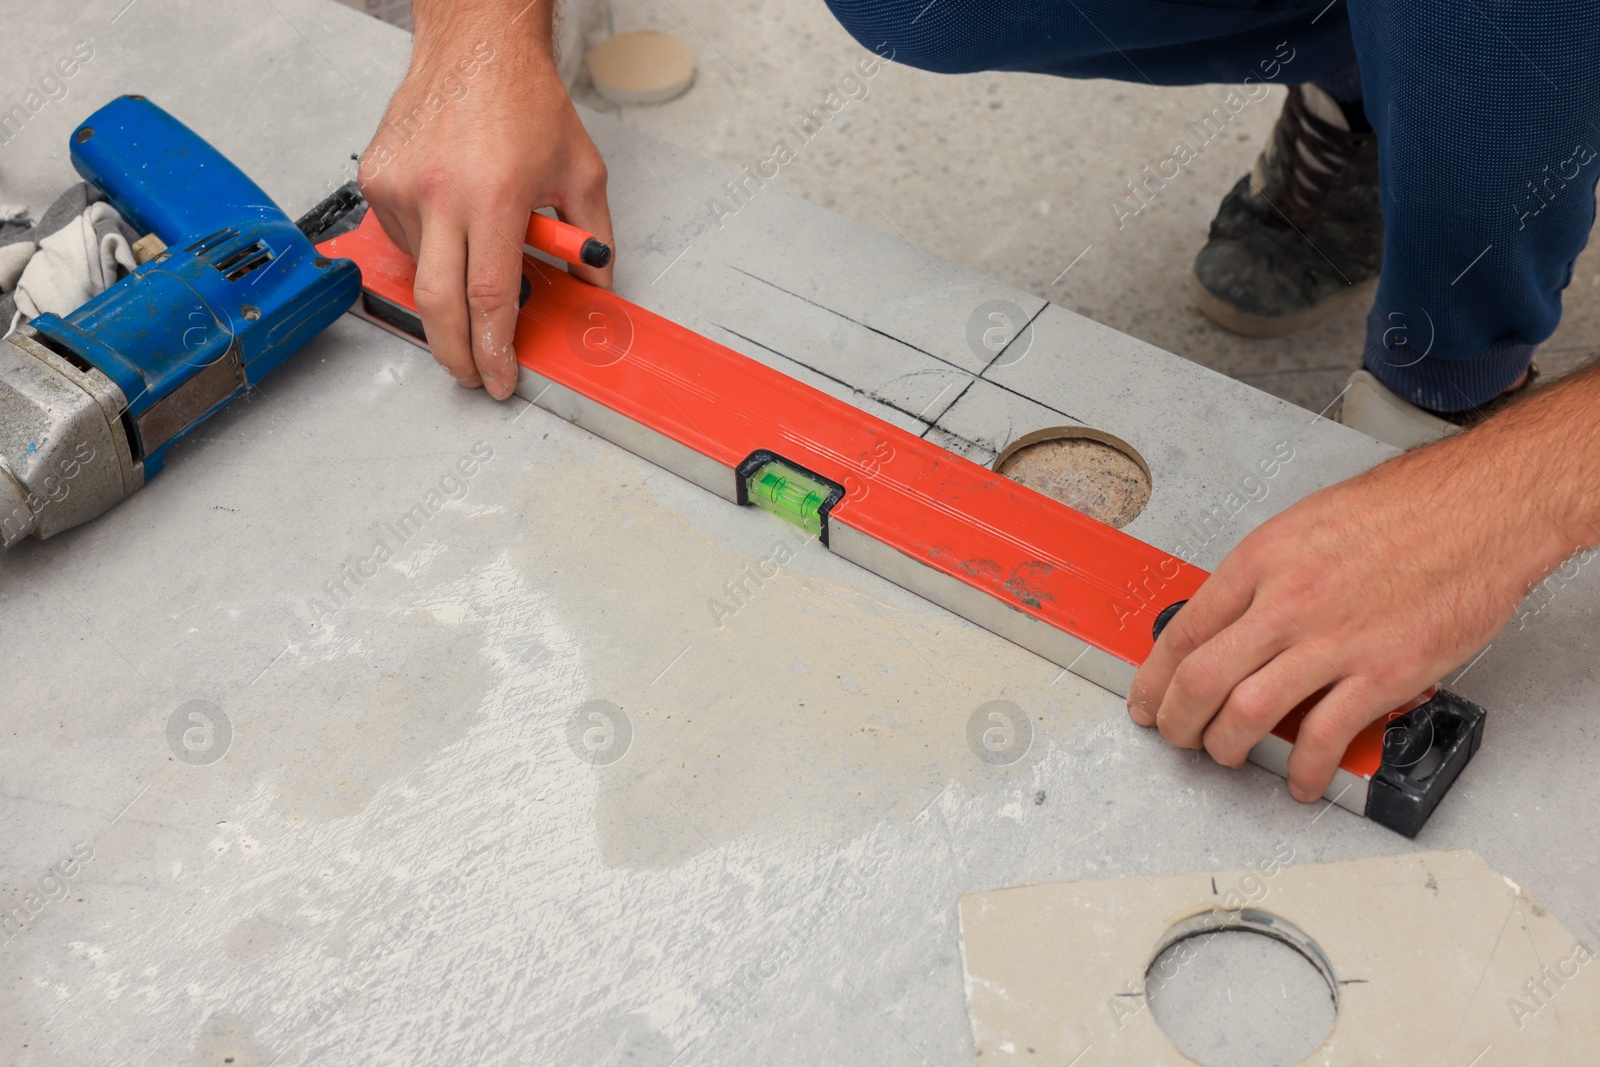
x=1488, y=121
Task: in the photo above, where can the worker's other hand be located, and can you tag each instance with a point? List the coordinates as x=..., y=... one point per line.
x=1373, y=588
x=479, y=135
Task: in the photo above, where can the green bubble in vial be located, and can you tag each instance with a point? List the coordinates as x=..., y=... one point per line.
x=789, y=494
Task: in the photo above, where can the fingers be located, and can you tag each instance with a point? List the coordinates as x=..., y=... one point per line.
x=393, y=204
x=1325, y=734
x=1256, y=704
x=1208, y=675
x=398, y=232
x=1217, y=605
x=588, y=209
x=440, y=293
x=494, y=278
x=458, y=187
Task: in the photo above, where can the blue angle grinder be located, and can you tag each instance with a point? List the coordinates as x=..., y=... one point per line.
x=91, y=402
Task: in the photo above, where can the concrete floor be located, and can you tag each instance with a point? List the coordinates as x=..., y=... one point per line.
x=1013, y=175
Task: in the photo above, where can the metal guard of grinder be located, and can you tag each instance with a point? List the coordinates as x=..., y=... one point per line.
x=90, y=403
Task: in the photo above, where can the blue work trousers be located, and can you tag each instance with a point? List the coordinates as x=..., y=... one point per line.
x=1488, y=121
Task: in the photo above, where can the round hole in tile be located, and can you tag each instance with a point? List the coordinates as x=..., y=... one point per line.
x=1242, y=988
x=1086, y=469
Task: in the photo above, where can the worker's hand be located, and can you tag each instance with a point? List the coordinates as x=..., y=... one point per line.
x=1374, y=587
x=479, y=135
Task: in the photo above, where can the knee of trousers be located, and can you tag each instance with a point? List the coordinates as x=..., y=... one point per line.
x=955, y=37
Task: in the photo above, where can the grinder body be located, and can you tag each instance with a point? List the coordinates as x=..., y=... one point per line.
x=90, y=402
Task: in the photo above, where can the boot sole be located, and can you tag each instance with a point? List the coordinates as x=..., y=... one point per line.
x=1243, y=322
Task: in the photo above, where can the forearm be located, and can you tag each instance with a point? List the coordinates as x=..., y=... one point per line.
x=522, y=29
x=1562, y=429
x=1541, y=457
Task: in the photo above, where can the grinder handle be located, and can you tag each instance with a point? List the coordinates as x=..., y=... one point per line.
x=163, y=178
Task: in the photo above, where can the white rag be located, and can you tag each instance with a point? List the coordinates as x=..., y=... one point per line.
x=71, y=265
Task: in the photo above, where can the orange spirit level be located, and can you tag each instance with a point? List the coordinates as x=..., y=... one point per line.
x=1073, y=590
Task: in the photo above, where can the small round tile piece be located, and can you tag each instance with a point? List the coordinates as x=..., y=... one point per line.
x=643, y=67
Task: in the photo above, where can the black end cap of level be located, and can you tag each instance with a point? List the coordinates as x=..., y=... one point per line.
x=595, y=253
x=1403, y=801
x=337, y=214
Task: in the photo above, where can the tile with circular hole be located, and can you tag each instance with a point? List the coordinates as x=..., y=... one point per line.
x=1432, y=957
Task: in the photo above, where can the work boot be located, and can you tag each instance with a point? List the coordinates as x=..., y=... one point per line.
x=1301, y=235
x=1371, y=407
